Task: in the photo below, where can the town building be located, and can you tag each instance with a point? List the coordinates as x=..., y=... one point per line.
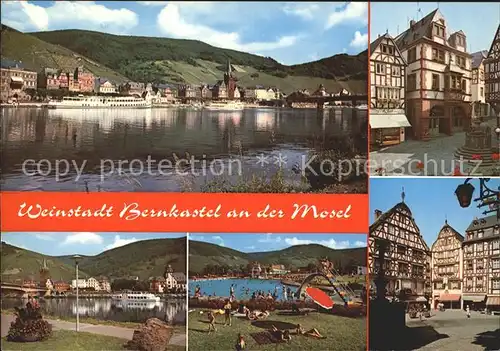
x=477, y=88
x=438, y=77
x=61, y=286
x=84, y=79
x=481, y=251
x=447, y=268
x=16, y=81
x=187, y=91
x=104, y=86
x=278, y=269
x=29, y=283
x=387, y=92
x=157, y=285
x=174, y=280
x=104, y=284
x=132, y=88
x=101, y=284
x=205, y=92
x=407, y=258
x=219, y=90
x=492, y=74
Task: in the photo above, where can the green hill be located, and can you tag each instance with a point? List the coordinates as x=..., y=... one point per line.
x=36, y=54
x=143, y=258
x=202, y=254
x=150, y=59
x=18, y=263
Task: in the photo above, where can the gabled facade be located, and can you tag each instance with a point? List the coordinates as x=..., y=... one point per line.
x=492, y=73
x=407, y=257
x=387, y=92
x=481, y=249
x=446, y=268
x=438, y=77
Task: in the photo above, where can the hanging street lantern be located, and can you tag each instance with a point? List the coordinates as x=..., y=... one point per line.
x=464, y=194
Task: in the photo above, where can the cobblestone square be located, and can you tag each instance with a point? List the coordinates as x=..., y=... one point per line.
x=437, y=155
x=451, y=330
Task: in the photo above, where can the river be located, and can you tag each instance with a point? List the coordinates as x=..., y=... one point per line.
x=173, y=311
x=133, y=150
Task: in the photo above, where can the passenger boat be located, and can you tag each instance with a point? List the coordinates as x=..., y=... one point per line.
x=224, y=106
x=96, y=102
x=130, y=296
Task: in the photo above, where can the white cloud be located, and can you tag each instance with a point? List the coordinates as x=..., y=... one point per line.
x=304, y=10
x=120, y=242
x=360, y=41
x=84, y=238
x=353, y=11
x=45, y=236
x=360, y=243
x=344, y=50
x=331, y=243
x=270, y=238
x=68, y=14
x=219, y=240
x=172, y=22
x=250, y=247
x=152, y=3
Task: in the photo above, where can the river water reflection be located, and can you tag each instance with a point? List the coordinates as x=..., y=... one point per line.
x=87, y=137
x=173, y=311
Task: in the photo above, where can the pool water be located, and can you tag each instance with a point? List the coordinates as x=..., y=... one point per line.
x=243, y=288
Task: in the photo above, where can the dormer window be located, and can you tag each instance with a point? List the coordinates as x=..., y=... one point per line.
x=387, y=49
x=438, y=30
x=460, y=40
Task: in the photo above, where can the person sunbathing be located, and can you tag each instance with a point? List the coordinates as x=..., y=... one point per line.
x=280, y=334
x=313, y=332
x=259, y=315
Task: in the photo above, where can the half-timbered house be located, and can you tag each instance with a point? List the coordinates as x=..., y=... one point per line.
x=446, y=268
x=481, y=250
x=387, y=92
x=438, y=77
x=407, y=257
x=492, y=74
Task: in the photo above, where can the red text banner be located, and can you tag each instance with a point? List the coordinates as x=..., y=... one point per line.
x=186, y=212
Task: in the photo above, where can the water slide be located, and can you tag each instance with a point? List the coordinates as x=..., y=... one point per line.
x=344, y=293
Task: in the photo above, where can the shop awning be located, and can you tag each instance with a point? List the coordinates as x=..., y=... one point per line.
x=474, y=298
x=380, y=121
x=449, y=297
x=17, y=79
x=493, y=301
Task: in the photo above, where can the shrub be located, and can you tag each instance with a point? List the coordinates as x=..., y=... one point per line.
x=29, y=326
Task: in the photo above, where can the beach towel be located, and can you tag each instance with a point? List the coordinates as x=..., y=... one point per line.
x=265, y=338
x=235, y=314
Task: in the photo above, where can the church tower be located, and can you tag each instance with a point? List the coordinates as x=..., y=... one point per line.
x=44, y=273
x=168, y=271
x=230, y=80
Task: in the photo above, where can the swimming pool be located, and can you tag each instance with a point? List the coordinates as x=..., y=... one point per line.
x=243, y=288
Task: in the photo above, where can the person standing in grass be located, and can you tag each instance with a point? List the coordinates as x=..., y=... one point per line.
x=211, y=322
x=240, y=343
x=227, y=312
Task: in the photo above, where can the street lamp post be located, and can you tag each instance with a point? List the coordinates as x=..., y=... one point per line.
x=77, y=259
x=487, y=196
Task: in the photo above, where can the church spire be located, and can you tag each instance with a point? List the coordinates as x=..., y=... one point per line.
x=229, y=70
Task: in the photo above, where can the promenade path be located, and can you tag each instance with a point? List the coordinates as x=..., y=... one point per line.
x=119, y=332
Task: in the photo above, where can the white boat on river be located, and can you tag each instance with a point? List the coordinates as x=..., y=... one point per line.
x=224, y=106
x=130, y=296
x=97, y=102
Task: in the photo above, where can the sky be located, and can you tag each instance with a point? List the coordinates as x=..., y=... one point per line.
x=431, y=200
x=245, y=242
x=84, y=243
x=479, y=21
x=290, y=32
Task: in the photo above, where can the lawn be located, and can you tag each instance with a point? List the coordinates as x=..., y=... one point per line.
x=342, y=333
x=64, y=340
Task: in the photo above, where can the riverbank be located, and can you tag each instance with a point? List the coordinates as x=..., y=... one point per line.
x=177, y=341
x=342, y=334
x=94, y=321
